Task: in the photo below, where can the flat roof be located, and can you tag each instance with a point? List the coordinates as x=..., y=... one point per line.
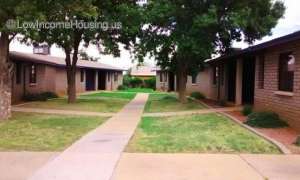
x=58, y=61
x=275, y=42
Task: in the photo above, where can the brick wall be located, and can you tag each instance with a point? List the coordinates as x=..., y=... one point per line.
x=288, y=107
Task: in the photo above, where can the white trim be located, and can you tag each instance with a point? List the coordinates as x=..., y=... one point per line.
x=284, y=93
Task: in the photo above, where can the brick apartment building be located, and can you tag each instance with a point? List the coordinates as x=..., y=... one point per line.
x=39, y=72
x=265, y=75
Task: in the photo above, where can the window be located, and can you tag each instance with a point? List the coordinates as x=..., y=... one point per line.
x=81, y=75
x=18, y=73
x=261, y=71
x=194, y=79
x=115, y=76
x=215, y=75
x=32, y=74
x=286, y=72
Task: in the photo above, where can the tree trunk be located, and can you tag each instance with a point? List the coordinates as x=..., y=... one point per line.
x=71, y=78
x=72, y=67
x=182, y=79
x=5, y=78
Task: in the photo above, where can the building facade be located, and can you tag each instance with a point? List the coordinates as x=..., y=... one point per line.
x=37, y=73
x=266, y=76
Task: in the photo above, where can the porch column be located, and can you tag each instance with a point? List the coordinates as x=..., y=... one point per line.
x=96, y=80
x=239, y=82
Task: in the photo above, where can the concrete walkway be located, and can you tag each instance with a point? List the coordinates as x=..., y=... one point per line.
x=207, y=167
x=95, y=156
x=60, y=112
x=201, y=111
x=22, y=165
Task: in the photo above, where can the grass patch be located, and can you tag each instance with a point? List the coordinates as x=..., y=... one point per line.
x=117, y=95
x=90, y=104
x=169, y=103
x=138, y=90
x=40, y=132
x=210, y=133
x=265, y=120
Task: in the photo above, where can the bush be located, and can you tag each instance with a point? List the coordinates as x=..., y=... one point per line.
x=136, y=82
x=297, y=143
x=247, y=109
x=122, y=87
x=40, y=96
x=150, y=83
x=197, y=95
x=265, y=120
x=49, y=95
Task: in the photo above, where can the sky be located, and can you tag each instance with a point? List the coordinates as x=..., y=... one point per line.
x=288, y=24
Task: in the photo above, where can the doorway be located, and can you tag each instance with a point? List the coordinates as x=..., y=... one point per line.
x=90, y=80
x=248, y=80
x=171, y=82
x=101, y=80
x=231, y=81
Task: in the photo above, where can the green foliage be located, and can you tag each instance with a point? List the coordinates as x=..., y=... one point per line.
x=136, y=82
x=247, y=109
x=122, y=87
x=150, y=83
x=197, y=95
x=297, y=143
x=180, y=35
x=265, y=120
x=132, y=82
x=40, y=96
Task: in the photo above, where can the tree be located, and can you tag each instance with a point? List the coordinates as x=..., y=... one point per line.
x=181, y=34
x=11, y=11
x=106, y=33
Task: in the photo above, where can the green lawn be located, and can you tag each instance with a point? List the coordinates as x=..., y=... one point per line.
x=166, y=102
x=40, y=132
x=210, y=133
x=89, y=104
x=117, y=95
x=137, y=90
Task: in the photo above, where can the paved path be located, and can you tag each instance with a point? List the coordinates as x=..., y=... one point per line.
x=201, y=111
x=61, y=112
x=95, y=156
x=207, y=167
x=22, y=165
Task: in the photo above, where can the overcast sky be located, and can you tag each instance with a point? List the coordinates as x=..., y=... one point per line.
x=290, y=23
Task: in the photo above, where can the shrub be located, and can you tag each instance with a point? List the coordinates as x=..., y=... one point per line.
x=150, y=83
x=247, y=109
x=49, y=95
x=136, y=82
x=40, y=96
x=122, y=87
x=197, y=95
x=126, y=80
x=265, y=120
x=297, y=141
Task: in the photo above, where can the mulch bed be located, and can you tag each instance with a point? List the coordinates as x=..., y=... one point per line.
x=286, y=136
